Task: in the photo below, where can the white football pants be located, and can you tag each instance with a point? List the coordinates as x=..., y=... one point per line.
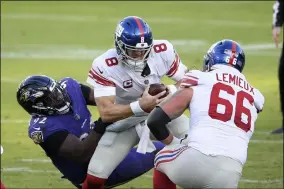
x=114, y=146
x=189, y=168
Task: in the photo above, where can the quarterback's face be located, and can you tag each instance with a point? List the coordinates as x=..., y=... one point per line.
x=136, y=54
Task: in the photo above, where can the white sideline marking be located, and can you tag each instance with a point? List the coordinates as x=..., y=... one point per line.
x=26, y=169
x=58, y=52
x=188, y=42
x=266, y=141
x=49, y=17
x=15, y=121
x=65, y=52
x=9, y=80
x=79, y=18
x=262, y=181
x=261, y=46
x=36, y=160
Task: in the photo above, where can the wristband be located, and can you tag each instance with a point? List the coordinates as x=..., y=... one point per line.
x=136, y=109
x=172, y=88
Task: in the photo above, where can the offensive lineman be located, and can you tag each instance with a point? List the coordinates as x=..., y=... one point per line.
x=119, y=77
x=223, y=110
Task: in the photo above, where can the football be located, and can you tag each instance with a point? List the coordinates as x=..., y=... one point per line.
x=156, y=88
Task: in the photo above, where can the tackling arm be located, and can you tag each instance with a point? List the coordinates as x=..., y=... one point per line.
x=71, y=147
x=166, y=111
x=111, y=112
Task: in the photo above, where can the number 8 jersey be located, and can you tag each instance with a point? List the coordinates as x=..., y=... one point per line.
x=109, y=76
x=223, y=111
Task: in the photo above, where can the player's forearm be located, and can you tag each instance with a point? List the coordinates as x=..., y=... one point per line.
x=125, y=124
x=89, y=146
x=80, y=151
x=115, y=112
x=178, y=83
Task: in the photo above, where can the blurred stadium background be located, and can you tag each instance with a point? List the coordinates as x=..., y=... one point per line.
x=62, y=38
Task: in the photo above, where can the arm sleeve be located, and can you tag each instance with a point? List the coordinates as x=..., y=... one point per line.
x=52, y=143
x=278, y=15
x=259, y=100
x=103, y=84
x=86, y=90
x=192, y=78
x=176, y=69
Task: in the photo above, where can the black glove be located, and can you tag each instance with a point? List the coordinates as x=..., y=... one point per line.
x=100, y=127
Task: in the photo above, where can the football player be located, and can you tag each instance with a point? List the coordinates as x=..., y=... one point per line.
x=223, y=109
x=61, y=124
x=120, y=77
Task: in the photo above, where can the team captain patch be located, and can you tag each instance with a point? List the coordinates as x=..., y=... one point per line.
x=37, y=137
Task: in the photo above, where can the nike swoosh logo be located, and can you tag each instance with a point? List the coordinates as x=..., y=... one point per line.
x=100, y=71
x=37, y=128
x=83, y=123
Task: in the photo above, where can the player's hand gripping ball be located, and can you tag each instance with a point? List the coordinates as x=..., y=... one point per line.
x=157, y=88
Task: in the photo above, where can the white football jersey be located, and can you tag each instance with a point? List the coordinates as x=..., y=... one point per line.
x=223, y=111
x=111, y=77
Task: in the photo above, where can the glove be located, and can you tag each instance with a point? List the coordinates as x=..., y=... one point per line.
x=100, y=127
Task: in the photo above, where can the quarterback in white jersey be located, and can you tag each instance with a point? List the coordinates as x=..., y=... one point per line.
x=120, y=78
x=223, y=109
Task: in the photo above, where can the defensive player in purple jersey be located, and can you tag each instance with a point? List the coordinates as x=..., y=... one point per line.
x=61, y=124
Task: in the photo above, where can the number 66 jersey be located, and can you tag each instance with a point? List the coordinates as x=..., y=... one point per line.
x=223, y=111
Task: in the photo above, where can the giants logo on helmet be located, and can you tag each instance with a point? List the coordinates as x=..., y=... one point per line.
x=119, y=30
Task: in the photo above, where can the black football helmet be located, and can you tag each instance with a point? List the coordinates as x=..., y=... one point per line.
x=42, y=95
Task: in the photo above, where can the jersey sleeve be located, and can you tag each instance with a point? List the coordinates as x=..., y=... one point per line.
x=258, y=100
x=99, y=78
x=41, y=128
x=175, y=68
x=191, y=78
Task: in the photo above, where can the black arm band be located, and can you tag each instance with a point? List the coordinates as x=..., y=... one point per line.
x=86, y=90
x=157, y=121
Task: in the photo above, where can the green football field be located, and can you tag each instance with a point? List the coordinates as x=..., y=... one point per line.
x=61, y=39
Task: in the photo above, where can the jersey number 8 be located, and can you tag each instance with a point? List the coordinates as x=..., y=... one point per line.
x=160, y=48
